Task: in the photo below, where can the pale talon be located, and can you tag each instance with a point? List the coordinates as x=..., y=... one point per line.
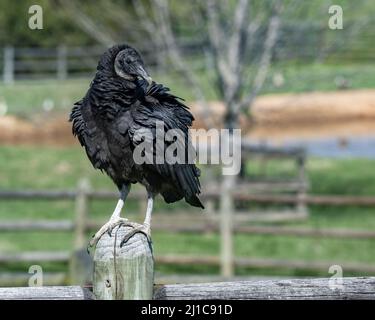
x=140, y=229
x=120, y=222
x=116, y=220
x=108, y=227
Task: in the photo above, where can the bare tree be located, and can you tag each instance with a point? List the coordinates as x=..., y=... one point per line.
x=229, y=50
x=97, y=31
x=159, y=28
x=229, y=34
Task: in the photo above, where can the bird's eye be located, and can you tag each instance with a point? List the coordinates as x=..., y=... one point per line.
x=127, y=60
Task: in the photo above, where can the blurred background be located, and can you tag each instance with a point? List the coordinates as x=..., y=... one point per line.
x=296, y=76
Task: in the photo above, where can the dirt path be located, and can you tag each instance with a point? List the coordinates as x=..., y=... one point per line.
x=277, y=117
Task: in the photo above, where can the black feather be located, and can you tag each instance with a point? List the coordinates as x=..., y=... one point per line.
x=106, y=122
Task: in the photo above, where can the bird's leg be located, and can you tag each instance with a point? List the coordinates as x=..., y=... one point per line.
x=145, y=228
x=115, y=219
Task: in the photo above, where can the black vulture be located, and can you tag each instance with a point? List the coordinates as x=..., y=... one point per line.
x=122, y=102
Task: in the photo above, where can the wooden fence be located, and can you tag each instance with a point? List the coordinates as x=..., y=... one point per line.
x=182, y=222
x=63, y=62
x=59, y=63
x=361, y=288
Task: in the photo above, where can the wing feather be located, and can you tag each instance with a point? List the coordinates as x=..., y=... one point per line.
x=175, y=115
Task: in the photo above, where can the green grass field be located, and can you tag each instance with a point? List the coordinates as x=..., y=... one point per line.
x=59, y=168
x=26, y=98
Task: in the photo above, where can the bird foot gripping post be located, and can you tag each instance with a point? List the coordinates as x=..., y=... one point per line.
x=123, y=272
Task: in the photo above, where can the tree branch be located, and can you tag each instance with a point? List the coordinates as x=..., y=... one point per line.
x=149, y=26
x=216, y=37
x=164, y=26
x=96, y=31
x=265, y=60
x=240, y=17
x=234, y=49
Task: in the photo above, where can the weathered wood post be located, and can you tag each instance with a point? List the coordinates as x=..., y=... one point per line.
x=226, y=226
x=227, y=209
x=81, y=208
x=301, y=194
x=123, y=273
x=80, y=261
x=210, y=212
x=62, y=63
x=8, y=68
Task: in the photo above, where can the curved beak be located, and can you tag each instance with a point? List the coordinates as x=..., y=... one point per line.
x=141, y=72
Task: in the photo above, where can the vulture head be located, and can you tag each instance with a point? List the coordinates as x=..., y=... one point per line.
x=129, y=65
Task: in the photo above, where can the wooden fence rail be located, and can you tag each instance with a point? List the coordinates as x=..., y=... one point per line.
x=63, y=62
x=197, y=225
x=300, y=289
x=207, y=260
x=351, y=288
x=186, y=222
x=326, y=200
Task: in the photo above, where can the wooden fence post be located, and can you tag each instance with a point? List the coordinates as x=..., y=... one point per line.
x=123, y=273
x=81, y=262
x=62, y=63
x=301, y=195
x=8, y=68
x=212, y=216
x=81, y=210
x=226, y=226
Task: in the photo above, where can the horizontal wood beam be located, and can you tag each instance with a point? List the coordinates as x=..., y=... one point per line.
x=350, y=288
x=205, y=260
x=46, y=293
x=22, y=278
x=188, y=224
x=36, y=225
x=328, y=200
x=19, y=279
x=244, y=194
x=279, y=152
x=37, y=256
x=37, y=194
x=267, y=263
x=307, y=232
x=305, y=289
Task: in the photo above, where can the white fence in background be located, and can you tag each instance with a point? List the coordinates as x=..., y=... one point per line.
x=59, y=63
x=63, y=62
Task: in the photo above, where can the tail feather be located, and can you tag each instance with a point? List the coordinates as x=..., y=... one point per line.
x=194, y=201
